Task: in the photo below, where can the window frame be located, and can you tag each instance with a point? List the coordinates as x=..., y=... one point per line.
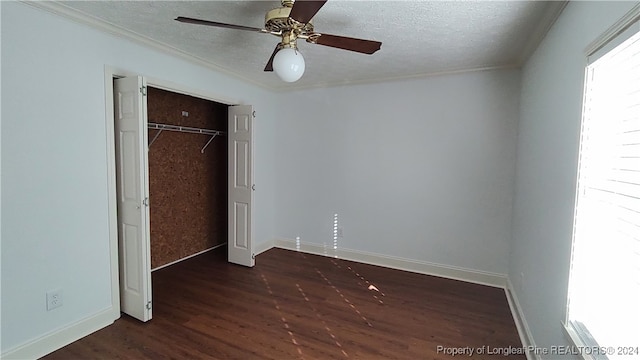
x=623, y=29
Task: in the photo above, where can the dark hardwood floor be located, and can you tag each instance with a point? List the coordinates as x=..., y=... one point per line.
x=299, y=306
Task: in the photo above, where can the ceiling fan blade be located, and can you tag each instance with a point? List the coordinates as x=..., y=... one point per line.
x=217, y=24
x=304, y=10
x=269, y=66
x=347, y=43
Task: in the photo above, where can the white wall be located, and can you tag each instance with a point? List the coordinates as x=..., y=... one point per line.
x=0, y=182
x=548, y=139
x=419, y=169
x=54, y=162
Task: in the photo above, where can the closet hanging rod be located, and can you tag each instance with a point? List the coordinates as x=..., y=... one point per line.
x=185, y=129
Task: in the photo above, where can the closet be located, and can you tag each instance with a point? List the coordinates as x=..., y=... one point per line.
x=187, y=175
x=179, y=191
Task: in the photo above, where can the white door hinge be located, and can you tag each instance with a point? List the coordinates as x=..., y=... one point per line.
x=148, y=306
x=143, y=90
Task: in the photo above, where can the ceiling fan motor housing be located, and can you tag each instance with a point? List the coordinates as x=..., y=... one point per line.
x=278, y=19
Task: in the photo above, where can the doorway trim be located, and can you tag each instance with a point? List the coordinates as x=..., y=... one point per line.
x=111, y=72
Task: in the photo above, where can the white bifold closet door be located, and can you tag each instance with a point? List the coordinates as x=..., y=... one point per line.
x=132, y=183
x=241, y=187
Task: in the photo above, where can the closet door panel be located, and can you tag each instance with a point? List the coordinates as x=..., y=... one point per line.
x=132, y=187
x=241, y=187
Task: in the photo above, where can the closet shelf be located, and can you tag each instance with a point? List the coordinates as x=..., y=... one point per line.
x=185, y=129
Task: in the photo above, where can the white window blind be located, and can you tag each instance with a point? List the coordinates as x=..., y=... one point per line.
x=604, y=293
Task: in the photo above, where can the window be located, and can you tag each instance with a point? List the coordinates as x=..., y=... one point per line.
x=604, y=285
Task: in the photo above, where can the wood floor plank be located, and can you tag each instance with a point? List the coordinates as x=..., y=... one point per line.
x=300, y=306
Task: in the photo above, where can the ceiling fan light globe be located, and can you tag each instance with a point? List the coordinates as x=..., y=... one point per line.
x=288, y=64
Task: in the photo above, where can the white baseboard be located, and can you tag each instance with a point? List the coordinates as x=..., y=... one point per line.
x=188, y=257
x=521, y=322
x=421, y=267
x=262, y=247
x=57, y=339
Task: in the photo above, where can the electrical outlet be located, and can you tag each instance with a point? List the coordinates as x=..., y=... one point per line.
x=185, y=113
x=54, y=299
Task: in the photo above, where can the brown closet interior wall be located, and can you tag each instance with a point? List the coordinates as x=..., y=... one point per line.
x=187, y=189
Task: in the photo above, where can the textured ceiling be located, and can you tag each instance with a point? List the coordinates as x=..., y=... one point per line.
x=418, y=37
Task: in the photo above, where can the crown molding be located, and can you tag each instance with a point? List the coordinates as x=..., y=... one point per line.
x=620, y=26
x=416, y=77
x=82, y=18
x=550, y=17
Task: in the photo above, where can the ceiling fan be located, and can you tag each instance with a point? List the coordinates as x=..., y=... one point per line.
x=290, y=22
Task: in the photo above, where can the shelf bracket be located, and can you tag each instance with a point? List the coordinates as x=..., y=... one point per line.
x=154, y=138
x=208, y=142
